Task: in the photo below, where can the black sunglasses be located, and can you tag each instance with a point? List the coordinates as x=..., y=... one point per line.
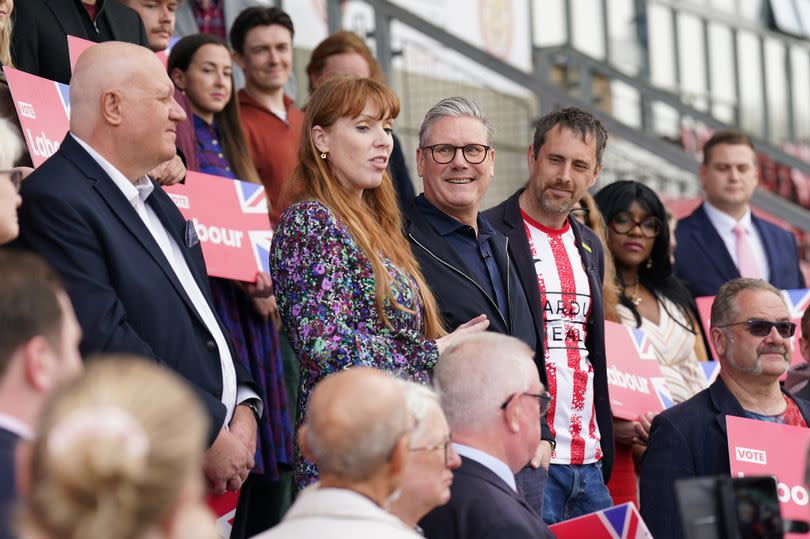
x=761, y=328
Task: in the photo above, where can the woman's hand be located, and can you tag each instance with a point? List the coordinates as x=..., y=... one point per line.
x=479, y=323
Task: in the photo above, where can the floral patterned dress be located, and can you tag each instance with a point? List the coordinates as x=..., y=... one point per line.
x=324, y=286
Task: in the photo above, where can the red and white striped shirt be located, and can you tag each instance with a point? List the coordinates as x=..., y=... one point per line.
x=565, y=295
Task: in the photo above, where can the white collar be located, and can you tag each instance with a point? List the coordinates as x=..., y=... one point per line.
x=12, y=424
x=142, y=188
x=723, y=221
x=497, y=466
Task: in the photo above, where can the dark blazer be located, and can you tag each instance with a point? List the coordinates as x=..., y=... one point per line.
x=704, y=264
x=482, y=506
x=687, y=440
x=125, y=294
x=39, y=41
x=506, y=218
x=8, y=484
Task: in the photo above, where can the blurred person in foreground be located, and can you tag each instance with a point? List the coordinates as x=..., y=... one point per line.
x=654, y=300
x=200, y=65
x=722, y=240
x=345, y=54
x=429, y=471
x=562, y=264
x=39, y=350
x=130, y=262
x=469, y=265
x=357, y=432
x=118, y=455
x=348, y=287
x=491, y=393
x=750, y=331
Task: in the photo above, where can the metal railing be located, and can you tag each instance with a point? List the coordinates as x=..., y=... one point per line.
x=550, y=95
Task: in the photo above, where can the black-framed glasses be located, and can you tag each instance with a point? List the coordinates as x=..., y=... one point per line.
x=760, y=328
x=16, y=177
x=623, y=222
x=446, y=444
x=445, y=153
x=544, y=398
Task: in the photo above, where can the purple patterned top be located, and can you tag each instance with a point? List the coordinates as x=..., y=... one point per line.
x=324, y=286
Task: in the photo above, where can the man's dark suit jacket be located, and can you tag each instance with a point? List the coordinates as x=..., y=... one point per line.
x=482, y=506
x=687, y=440
x=125, y=294
x=8, y=484
x=507, y=219
x=39, y=41
x=704, y=264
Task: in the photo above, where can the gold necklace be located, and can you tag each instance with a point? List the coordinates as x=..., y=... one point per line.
x=635, y=298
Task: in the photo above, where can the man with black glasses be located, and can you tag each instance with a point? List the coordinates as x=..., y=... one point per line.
x=750, y=331
x=466, y=262
x=491, y=394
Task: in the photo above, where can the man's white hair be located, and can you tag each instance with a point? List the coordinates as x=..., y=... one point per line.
x=475, y=375
x=419, y=400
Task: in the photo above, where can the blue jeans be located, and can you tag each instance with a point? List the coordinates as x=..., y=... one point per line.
x=531, y=485
x=574, y=490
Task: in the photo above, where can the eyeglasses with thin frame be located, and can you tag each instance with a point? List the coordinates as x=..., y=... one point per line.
x=544, y=398
x=760, y=328
x=474, y=154
x=623, y=222
x=441, y=445
x=580, y=212
x=16, y=177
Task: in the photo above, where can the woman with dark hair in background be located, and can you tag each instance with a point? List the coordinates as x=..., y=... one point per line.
x=650, y=298
x=200, y=66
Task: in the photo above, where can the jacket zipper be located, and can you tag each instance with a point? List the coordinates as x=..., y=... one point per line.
x=497, y=310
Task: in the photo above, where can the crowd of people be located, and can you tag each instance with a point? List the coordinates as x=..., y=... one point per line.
x=410, y=365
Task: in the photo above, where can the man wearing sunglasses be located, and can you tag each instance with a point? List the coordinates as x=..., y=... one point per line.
x=750, y=331
x=491, y=394
x=722, y=240
x=468, y=264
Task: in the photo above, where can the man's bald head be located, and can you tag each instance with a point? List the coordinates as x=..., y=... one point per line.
x=122, y=98
x=354, y=421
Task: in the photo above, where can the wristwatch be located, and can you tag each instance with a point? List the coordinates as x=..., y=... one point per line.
x=253, y=404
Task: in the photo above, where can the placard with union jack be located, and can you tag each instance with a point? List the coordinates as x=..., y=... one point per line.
x=230, y=221
x=617, y=522
x=637, y=385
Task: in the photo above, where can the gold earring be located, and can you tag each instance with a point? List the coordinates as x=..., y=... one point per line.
x=323, y=155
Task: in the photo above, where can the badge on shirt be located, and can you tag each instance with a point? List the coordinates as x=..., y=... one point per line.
x=191, y=235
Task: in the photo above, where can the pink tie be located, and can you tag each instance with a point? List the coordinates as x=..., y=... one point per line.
x=746, y=261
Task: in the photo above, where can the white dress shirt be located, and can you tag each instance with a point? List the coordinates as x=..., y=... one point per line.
x=137, y=194
x=497, y=466
x=724, y=224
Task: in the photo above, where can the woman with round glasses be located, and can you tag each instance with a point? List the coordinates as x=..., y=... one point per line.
x=650, y=298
